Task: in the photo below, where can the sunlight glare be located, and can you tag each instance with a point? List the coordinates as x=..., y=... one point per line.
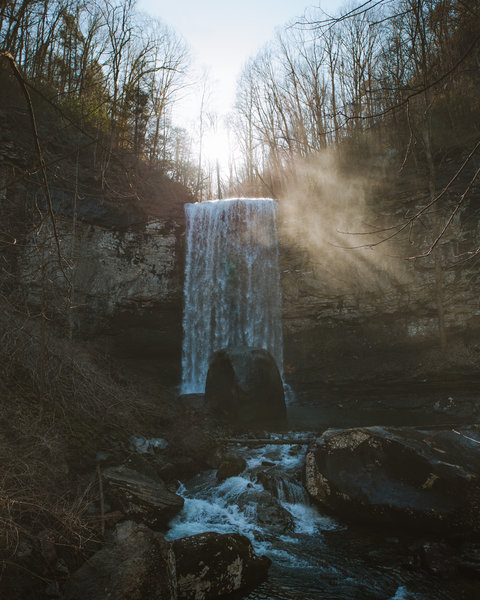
x=216, y=147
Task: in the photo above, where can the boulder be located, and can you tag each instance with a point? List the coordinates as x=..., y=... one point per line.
x=194, y=403
x=428, y=480
x=212, y=564
x=230, y=467
x=268, y=511
x=282, y=487
x=137, y=564
x=244, y=385
x=270, y=480
x=139, y=497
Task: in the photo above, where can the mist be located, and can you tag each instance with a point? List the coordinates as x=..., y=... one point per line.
x=324, y=208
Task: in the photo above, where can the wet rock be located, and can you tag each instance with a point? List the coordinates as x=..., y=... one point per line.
x=281, y=487
x=211, y=564
x=270, y=482
x=269, y=513
x=137, y=564
x=140, y=497
x=193, y=402
x=274, y=517
x=244, y=385
x=468, y=560
x=397, y=477
x=230, y=467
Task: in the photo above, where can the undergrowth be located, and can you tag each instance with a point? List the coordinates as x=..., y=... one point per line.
x=52, y=425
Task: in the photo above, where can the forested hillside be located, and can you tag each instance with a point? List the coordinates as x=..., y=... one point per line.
x=394, y=79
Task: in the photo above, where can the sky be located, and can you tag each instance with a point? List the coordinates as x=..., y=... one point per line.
x=222, y=36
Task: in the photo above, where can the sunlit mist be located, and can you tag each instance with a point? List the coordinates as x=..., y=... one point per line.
x=322, y=210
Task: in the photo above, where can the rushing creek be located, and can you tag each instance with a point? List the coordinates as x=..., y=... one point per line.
x=314, y=556
x=232, y=297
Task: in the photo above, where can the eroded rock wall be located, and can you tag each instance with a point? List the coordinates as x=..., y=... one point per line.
x=369, y=313
x=348, y=315
x=121, y=288
x=105, y=271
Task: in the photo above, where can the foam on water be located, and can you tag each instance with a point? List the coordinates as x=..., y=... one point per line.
x=231, y=505
x=308, y=520
x=403, y=594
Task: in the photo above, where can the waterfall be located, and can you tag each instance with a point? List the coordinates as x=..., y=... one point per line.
x=232, y=283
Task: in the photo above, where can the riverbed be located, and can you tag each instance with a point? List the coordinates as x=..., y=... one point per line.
x=315, y=555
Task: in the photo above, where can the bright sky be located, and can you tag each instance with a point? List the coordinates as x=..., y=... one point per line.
x=223, y=35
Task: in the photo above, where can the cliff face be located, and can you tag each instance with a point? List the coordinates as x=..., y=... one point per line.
x=348, y=315
x=373, y=327
x=374, y=312
x=123, y=289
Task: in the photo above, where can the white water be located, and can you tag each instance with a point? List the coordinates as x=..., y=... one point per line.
x=232, y=283
x=232, y=505
x=314, y=557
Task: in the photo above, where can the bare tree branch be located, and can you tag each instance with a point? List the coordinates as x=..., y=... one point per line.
x=451, y=217
x=401, y=227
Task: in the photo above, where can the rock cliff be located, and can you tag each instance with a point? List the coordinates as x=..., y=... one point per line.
x=122, y=288
x=358, y=310
x=348, y=315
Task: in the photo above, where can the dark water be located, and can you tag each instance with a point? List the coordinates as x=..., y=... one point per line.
x=427, y=403
x=315, y=556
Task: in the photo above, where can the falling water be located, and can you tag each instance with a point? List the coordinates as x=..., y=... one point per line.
x=232, y=284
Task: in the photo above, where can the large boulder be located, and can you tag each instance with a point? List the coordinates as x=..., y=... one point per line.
x=212, y=564
x=139, y=497
x=231, y=466
x=399, y=477
x=137, y=564
x=244, y=385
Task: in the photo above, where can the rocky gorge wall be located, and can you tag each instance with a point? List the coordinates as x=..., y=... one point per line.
x=359, y=320
x=125, y=288
x=363, y=318
x=368, y=289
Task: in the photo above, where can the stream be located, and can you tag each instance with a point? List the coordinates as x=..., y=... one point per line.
x=314, y=556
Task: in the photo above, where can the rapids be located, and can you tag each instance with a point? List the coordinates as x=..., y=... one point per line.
x=314, y=556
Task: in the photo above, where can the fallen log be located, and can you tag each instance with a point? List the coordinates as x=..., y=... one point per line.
x=267, y=441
